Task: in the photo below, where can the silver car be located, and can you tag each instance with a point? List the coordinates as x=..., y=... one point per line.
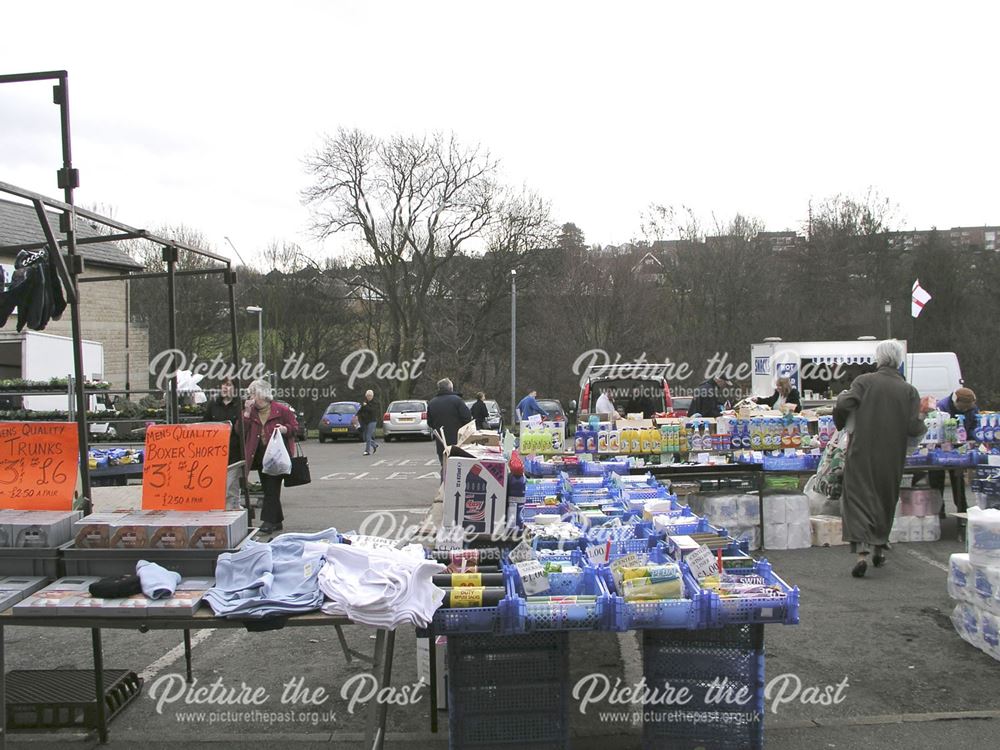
x=405, y=418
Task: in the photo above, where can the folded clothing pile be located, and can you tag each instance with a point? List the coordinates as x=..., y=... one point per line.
x=380, y=586
x=278, y=578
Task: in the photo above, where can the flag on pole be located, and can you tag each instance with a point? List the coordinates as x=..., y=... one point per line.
x=920, y=298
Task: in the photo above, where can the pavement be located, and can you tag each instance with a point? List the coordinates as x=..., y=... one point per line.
x=883, y=645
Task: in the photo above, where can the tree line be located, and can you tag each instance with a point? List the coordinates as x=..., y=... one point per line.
x=427, y=294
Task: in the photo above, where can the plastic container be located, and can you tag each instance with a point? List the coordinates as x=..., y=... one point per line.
x=533, y=617
x=954, y=458
x=806, y=462
x=688, y=613
x=783, y=608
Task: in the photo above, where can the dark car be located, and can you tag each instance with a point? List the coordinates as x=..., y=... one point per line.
x=554, y=412
x=339, y=421
x=681, y=405
x=495, y=419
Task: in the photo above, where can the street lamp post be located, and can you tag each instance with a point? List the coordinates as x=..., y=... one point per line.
x=260, y=335
x=888, y=319
x=513, y=345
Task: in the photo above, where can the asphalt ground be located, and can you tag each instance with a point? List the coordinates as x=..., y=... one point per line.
x=908, y=681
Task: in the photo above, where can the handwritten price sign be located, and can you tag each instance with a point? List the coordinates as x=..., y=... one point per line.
x=185, y=467
x=38, y=465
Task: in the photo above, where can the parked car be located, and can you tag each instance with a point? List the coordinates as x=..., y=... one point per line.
x=633, y=387
x=339, y=421
x=404, y=418
x=495, y=419
x=555, y=413
x=681, y=405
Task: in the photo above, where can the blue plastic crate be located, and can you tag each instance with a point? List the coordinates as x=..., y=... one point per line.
x=694, y=659
x=535, y=617
x=698, y=525
x=783, y=608
x=530, y=510
x=918, y=460
x=497, y=620
x=806, y=462
x=690, y=612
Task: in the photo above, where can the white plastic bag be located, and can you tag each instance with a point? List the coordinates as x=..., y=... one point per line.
x=277, y=462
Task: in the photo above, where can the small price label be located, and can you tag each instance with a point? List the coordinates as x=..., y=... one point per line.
x=598, y=554
x=703, y=458
x=533, y=577
x=522, y=552
x=702, y=563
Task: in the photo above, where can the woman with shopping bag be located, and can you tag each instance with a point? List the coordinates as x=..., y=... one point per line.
x=270, y=428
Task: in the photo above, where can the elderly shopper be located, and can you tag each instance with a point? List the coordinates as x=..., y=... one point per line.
x=882, y=413
x=262, y=415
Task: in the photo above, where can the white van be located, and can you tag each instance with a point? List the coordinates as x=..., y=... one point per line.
x=822, y=369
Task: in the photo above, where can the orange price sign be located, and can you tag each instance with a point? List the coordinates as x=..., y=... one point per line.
x=185, y=467
x=39, y=462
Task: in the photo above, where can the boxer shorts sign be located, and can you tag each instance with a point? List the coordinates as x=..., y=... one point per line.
x=39, y=462
x=185, y=467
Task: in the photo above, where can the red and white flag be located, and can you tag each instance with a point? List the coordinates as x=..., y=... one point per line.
x=920, y=298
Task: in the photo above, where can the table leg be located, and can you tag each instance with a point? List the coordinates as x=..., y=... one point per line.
x=343, y=643
x=102, y=722
x=761, y=484
x=382, y=669
x=432, y=650
x=187, y=654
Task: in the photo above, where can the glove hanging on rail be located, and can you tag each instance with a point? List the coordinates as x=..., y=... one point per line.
x=35, y=291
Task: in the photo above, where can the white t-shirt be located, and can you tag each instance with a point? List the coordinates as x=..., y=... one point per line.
x=604, y=405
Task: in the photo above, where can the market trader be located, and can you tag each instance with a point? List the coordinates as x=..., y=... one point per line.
x=447, y=412
x=528, y=407
x=707, y=401
x=961, y=403
x=783, y=394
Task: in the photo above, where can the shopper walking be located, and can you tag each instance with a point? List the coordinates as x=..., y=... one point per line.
x=263, y=415
x=368, y=419
x=961, y=405
x=447, y=412
x=883, y=413
x=480, y=412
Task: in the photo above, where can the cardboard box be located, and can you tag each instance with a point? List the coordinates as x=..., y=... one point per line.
x=94, y=531
x=424, y=667
x=37, y=529
x=475, y=485
x=216, y=529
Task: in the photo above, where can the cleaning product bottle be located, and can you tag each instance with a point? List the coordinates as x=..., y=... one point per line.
x=614, y=442
x=695, y=441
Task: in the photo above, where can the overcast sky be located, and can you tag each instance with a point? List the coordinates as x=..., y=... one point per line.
x=201, y=112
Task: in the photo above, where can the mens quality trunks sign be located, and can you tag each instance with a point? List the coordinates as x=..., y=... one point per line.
x=185, y=467
x=38, y=465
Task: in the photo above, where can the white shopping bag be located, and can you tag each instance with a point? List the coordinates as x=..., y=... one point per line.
x=277, y=462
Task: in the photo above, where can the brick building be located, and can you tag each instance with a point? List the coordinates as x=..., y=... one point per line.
x=102, y=305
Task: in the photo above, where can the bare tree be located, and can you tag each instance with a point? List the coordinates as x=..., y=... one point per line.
x=416, y=203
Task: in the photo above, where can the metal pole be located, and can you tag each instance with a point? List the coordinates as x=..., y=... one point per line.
x=69, y=179
x=513, y=346
x=260, y=339
x=170, y=256
x=128, y=355
x=231, y=283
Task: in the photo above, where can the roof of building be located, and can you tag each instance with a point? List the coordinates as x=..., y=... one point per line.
x=18, y=224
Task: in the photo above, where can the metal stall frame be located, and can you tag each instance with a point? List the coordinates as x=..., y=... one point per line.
x=70, y=268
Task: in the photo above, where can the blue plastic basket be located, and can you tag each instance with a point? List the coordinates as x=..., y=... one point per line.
x=918, y=460
x=497, y=620
x=783, y=608
x=806, y=462
x=689, y=613
x=533, y=617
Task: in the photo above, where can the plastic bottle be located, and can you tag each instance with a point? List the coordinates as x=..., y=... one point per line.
x=602, y=441
x=961, y=436
x=580, y=439
x=614, y=441
x=591, y=440
x=656, y=442
x=682, y=439
x=796, y=436
x=695, y=441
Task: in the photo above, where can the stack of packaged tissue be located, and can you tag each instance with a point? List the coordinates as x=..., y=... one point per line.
x=916, y=517
x=737, y=514
x=786, y=522
x=974, y=582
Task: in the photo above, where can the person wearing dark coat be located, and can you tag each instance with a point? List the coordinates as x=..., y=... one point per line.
x=226, y=408
x=368, y=419
x=707, y=401
x=783, y=394
x=480, y=412
x=884, y=416
x=448, y=412
x=261, y=417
